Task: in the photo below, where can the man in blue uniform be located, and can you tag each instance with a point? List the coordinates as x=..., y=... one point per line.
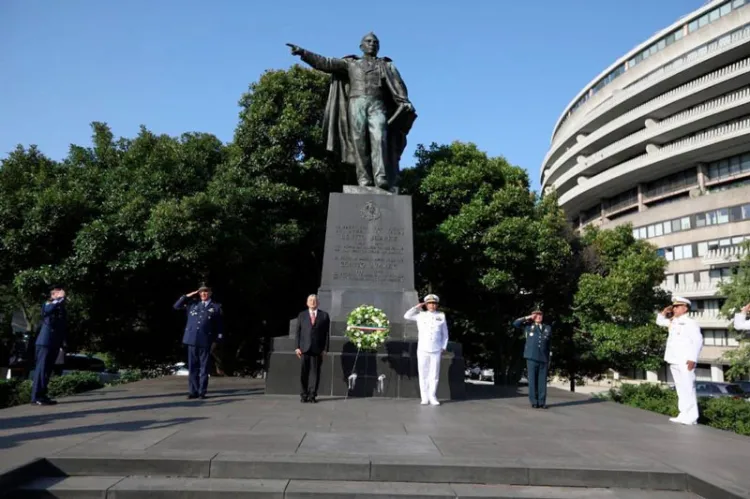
x=204, y=327
x=536, y=353
x=48, y=343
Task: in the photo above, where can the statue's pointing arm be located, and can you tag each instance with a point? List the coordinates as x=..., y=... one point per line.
x=325, y=64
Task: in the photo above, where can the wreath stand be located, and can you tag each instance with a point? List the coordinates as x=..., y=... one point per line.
x=352, y=379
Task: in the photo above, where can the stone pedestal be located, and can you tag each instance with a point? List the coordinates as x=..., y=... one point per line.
x=368, y=259
x=390, y=372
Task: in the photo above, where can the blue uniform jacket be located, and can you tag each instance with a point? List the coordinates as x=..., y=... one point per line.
x=537, y=340
x=204, y=322
x=54, y=325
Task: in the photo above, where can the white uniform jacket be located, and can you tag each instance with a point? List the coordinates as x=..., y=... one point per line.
x=433, y=329
x=741, y=323
x=685, y=340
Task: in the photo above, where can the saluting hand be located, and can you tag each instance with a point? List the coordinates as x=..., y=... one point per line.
x=189, y=295
x=667, y=310
x=746, y=309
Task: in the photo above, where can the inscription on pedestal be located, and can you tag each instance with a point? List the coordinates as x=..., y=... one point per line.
x=367, y=254
x=369, y=243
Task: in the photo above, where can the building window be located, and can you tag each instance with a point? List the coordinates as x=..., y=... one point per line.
x=719, y=275
x=623, y=200
x=680, y=252
x=725, y=168
x=715, y=337
x=672, y=183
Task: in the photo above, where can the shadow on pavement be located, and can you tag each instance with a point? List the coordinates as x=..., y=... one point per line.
x=483, y=392
x=211, y=393
x=49, y=414
x=129, y=426
x=573, y=403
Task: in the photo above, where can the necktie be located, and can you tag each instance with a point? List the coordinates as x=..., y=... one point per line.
x=312, y=317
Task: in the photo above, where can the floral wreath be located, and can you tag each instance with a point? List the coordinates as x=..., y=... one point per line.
x=367, y=327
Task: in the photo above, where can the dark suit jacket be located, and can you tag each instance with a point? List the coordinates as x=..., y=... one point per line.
x=205, y=323
x=54, y=325
x=313, y=339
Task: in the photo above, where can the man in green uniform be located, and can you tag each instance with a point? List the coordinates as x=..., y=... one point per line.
x=536, y=353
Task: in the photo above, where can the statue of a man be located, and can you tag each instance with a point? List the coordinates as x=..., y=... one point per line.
x=368, y=114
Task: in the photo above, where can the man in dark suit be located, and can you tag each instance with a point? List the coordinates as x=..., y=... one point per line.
x=48, y=343
x=205, y=325
x=536, y=353
x=313, y=328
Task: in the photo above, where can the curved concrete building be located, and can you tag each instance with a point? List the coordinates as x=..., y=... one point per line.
x=661, y=140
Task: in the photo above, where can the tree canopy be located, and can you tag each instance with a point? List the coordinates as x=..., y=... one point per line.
x=737, y=293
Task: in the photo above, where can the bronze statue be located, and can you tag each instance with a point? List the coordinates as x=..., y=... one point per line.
x=368, y=114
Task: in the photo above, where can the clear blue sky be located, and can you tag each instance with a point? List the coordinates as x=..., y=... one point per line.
x=494, y=72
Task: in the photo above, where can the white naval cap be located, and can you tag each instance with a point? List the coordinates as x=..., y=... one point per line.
x=679, y=300
x=431, y=299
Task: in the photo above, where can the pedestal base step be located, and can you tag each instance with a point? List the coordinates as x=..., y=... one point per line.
x=171, y=474
x=139, y=487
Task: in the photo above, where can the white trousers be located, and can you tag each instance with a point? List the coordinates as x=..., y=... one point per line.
x=684, y=383
x=428, y=364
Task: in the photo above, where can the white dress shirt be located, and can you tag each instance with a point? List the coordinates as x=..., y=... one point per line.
x=433, y=329
x=685, y=340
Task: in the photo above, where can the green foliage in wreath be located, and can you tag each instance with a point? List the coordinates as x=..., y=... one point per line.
x=360, y=320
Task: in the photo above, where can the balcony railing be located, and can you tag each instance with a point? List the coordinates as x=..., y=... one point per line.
x=735, y=128
x=693, y=289
x=709, y=319
x=693, y=86
x=648, y=81
x=727, y=254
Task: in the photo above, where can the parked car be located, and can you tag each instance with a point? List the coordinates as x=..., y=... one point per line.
x=473, y=372
x=487, y=375
x=745, y=385
x=715, y=389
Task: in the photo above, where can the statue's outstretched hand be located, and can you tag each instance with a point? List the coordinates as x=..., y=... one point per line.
x=295, y=49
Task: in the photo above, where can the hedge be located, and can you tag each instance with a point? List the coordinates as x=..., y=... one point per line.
x=18, y=391
x=724, y=413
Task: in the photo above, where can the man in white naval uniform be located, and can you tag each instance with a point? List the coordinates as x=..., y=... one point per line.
x=433, y=340
x=741, y=322
x=684, y=345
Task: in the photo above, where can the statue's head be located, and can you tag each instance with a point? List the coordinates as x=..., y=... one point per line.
x=370, y=44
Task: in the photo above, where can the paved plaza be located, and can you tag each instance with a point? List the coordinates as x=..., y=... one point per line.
x=239, y=433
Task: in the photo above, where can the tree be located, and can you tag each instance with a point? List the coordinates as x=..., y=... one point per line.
x=737, y=293
x=489, y=246
x=614, y=306
x=127, y=225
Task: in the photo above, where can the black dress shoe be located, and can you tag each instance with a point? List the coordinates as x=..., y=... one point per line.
x=203, y=397
x=534, y=406
x=543, y=406
x=313, y=400
x=192, y=396
x=303, y=399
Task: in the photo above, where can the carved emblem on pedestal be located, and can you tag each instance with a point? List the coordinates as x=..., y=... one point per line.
x=370, y=212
